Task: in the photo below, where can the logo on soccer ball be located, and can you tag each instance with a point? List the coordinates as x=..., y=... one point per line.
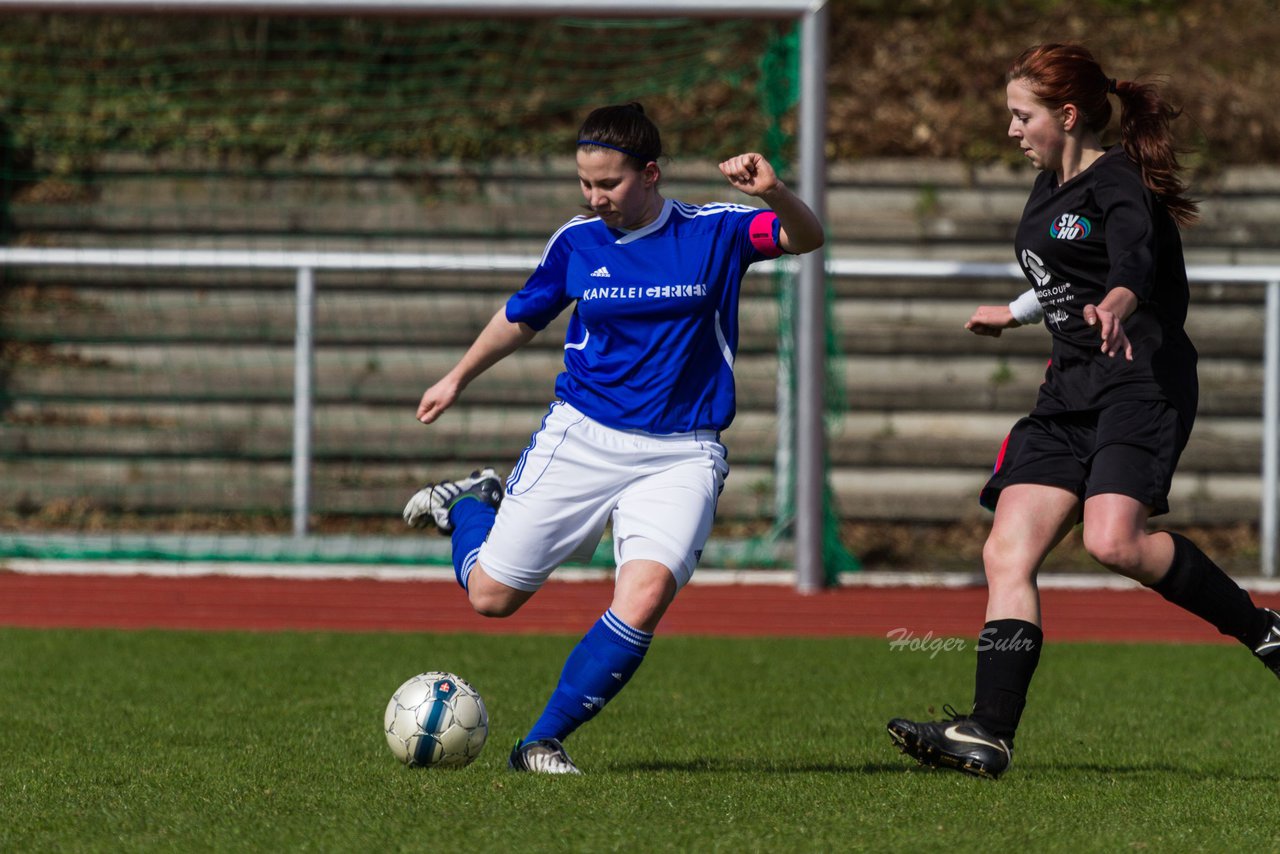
x=1070, y=227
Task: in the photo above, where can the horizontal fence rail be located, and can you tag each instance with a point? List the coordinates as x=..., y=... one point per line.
x=306, y=264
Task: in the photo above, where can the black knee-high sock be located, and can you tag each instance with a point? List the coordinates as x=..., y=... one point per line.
x=1008, y=652
x=1196, y=584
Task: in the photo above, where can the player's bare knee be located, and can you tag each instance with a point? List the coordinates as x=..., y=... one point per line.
x=493, y=604
x=994, y=554
x=494, y=610
x=1004, y=565
x=492, y=598
x=643, y=595
x=1117, y=552
x=651, y=598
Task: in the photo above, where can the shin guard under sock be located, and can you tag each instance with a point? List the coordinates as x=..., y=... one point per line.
x=1196, y=584
x=597, y=669
x=472, y=520
x=1008, y=652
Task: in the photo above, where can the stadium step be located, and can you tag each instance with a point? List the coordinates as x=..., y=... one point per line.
x=384, y=433
x=246, y=488
x=171, y=389
x=863, y=325
x=214, y=373
x=936, y=207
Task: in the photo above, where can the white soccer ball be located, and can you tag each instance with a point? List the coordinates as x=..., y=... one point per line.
x=436, y=720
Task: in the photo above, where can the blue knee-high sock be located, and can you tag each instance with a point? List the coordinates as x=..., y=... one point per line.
x=602, y=662
x=472, y=519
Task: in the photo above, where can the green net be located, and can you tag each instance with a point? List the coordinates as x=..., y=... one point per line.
x=246, y=90
x=147, y=411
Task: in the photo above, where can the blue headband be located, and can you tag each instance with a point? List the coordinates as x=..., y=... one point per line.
x=640, y=157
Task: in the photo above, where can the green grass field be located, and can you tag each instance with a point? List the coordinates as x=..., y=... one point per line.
x=187, y=741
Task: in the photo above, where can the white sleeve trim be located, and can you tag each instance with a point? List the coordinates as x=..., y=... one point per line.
x=1026, y=308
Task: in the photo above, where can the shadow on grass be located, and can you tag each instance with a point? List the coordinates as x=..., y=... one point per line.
x=1188, y=772
x=719, y=765
x=1028, y=771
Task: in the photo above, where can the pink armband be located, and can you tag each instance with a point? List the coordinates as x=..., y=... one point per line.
x=761, y=231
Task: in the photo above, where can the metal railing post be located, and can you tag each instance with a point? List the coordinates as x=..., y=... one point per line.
x=1270, y=429
x=303, y=398
x=811, y=337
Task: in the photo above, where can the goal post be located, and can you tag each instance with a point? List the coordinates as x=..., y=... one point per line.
x=808, y=476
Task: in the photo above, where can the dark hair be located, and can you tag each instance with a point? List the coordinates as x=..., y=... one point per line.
x=625, y=128
x=1061, y=74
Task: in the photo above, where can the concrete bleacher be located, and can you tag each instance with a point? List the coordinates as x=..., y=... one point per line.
x=184, y=379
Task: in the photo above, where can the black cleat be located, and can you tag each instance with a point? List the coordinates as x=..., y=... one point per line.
x=961, y=743
x=1268, y=652
x=433, y=502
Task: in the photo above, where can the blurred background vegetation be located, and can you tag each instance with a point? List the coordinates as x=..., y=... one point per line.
x=925, y=77
x=921, y=78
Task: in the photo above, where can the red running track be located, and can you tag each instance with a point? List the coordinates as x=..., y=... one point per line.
x=273, y=604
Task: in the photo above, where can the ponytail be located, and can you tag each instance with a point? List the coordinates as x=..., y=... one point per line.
x=1144, y=132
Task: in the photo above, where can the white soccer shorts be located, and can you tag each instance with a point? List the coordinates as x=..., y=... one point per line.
x=576, y=474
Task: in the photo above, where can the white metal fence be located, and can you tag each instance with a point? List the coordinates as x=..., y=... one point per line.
x=306, y=264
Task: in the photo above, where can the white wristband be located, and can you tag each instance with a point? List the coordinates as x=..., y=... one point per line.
x=1026, y=308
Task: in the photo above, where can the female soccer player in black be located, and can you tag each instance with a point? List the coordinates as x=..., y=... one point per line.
x=1099, y=242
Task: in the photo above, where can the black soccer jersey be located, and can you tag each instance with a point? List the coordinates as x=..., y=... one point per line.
x=1077, y=241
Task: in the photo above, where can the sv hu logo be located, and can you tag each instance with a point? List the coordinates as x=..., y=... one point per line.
x=1070, y=227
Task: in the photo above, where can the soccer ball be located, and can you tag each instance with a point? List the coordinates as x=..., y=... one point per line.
x=436, y=720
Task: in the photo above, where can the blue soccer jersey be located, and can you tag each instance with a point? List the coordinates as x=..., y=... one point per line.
x=654, y=333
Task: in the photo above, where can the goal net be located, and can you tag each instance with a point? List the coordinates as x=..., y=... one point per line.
x=148, y=409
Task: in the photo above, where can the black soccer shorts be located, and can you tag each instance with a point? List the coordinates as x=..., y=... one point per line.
x=1128, y=448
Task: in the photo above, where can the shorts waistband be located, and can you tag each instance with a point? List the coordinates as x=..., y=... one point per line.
x=692, y=436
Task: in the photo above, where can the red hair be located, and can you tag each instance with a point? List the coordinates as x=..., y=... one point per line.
x=1061, y=74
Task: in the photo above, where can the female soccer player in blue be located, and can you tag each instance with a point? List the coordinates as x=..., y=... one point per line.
x=633, y=434
x=1099, y=242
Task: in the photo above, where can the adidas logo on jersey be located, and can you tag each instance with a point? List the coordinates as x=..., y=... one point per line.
x=602, y=273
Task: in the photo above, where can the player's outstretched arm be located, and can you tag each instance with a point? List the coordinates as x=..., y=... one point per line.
x=498, y=339
x=801, y=230
x=991, y=320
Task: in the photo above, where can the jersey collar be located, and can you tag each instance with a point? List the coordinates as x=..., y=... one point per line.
x=629, y=236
